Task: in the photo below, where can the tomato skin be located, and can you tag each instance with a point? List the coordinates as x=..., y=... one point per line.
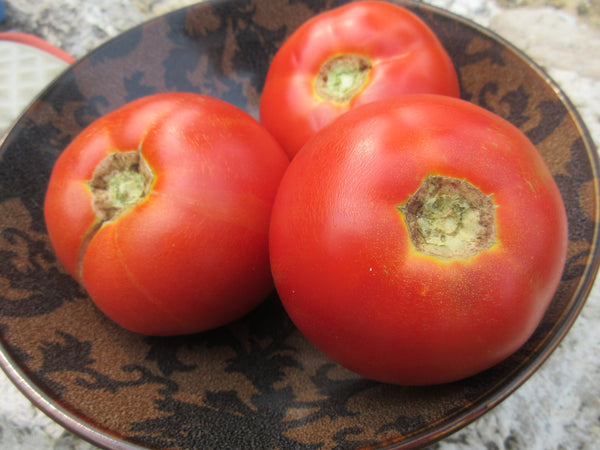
x=406, y=58
x=352, y=281
x=193, y=254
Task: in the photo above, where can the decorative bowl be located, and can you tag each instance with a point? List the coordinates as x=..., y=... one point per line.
x=256, y=383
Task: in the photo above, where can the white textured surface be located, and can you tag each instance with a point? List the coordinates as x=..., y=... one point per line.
x=24, y=72
x=559, y=407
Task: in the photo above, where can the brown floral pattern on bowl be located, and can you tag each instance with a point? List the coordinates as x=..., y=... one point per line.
x=256, y=383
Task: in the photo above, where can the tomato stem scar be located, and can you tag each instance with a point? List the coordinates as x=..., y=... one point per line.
x=342, y=77
x=450, y=218
x=121, y=181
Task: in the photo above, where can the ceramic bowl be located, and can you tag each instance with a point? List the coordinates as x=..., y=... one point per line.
x=256, y=383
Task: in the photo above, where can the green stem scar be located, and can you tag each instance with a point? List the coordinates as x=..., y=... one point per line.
x=450, y=218
x=125, y=189
x=342, y=77
x=120, y=181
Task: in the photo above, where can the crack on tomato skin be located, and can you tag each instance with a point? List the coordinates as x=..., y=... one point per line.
x=450, y=218
x=120, y=258
x=85, y=243
x=341, y=77
x=122, y=180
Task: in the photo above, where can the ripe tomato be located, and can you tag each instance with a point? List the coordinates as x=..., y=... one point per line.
x=161, y=210
x=346, y=57
x=418, y=240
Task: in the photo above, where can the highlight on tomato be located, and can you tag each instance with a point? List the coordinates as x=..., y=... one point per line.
x=346, y=57
x=161, y=210
x=418, y=240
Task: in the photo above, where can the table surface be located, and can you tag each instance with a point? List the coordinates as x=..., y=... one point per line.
x=559, y=406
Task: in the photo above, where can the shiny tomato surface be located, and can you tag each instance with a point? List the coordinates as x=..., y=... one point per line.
x=391, y=51
x=188, y=251
x=352, y=273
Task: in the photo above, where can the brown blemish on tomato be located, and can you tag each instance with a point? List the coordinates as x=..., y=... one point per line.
x=450, y=218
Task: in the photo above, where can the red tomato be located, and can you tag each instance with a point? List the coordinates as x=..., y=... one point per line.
x=161, y=210
x=346, y=57
x=418, y=240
